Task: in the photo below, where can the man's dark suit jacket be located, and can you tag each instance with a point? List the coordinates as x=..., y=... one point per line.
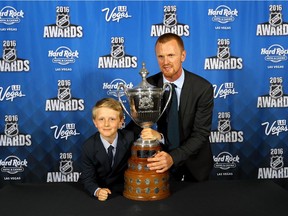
x=96, y=171
x=195, y=111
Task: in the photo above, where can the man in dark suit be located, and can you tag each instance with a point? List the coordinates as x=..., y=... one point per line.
x=191, y=159
x=100, y=174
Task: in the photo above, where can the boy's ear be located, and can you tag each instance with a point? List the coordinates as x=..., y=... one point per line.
x=94, y=122
x=121, y=123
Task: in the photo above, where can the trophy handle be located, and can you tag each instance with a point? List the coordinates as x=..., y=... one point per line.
x=169, y=97
x=121, y=85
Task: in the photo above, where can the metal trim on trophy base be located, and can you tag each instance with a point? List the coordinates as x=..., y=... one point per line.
x=141, y=183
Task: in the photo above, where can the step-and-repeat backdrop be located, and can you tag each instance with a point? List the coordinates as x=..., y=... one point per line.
x=59, y=57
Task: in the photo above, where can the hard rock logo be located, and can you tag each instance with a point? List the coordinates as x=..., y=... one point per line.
x=64, y=93
x=223, y=52
x=224, y=125
x=11, y=129
x=170, y=20
x=117, y=51
x=62, y=20
x=276, y=91
x=275, y=19
x=9, y=54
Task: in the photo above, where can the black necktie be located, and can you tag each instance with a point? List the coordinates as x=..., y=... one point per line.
x=173, y=121
x=110, y=154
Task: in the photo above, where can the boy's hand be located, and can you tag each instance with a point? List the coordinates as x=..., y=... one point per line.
x=102, y=194
x=150, y=134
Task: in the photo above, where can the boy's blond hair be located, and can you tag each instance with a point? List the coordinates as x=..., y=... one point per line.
x=108, y=103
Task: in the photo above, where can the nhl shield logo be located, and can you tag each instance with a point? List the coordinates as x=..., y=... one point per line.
x=9, y=54
x=224, y=125
x=62, y=20
x=170, y=20
x=64, y=94
x=11, y=129
x=117, y=51
x=223, y=52
x=275, y=18
x=66, y=166
x=276, y=162
x=276, y=91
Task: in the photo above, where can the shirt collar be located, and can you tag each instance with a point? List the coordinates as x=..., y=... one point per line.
x=107, y=144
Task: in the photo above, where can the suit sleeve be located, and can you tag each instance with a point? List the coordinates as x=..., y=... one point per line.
x=88, y=174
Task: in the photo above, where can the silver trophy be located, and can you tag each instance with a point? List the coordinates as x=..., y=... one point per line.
x=145, y=100
x=145, y=110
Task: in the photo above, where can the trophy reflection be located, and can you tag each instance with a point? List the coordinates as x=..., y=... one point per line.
x=140, y=183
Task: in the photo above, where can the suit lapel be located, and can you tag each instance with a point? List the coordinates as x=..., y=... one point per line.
x=101, y=153
x=184, y=97
x=120, y=150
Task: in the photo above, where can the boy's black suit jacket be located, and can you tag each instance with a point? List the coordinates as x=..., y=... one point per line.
x=96, y=171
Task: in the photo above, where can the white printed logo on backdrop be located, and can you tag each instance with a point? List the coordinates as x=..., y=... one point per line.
x=10, y=16
x=12, y=165
x=63, y=56
x=64, y=100
x=276, y=25
x=112, y=87
x=275, y=54
x=223, y=15
x=66, y=170
x=65, y=131
x=276, y=97
x=223, y=60
x=116, y=14
x=11, y=92
x=12, y=135
x=225, y=132
x=63, y=28
x=277, y=169
x=276, y=127
x=10, y=62
x=117, y=58
x=224, y=90
x=170, y=23
x=225, y=161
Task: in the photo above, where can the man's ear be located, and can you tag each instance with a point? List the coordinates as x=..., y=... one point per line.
x=183, y=56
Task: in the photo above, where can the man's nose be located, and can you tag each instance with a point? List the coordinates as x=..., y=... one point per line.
x=165, y=60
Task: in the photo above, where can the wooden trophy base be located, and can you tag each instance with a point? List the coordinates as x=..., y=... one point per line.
x=141, y=183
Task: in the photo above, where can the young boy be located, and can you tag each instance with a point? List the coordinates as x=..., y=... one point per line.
x=100, y=178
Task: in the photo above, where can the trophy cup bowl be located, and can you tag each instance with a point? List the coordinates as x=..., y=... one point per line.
x=140, y=183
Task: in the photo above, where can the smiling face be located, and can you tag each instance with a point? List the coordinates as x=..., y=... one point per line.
x=108, y=121
x=170, y=57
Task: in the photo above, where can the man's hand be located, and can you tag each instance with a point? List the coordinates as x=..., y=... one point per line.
x=102, y=194
x=161, y=162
